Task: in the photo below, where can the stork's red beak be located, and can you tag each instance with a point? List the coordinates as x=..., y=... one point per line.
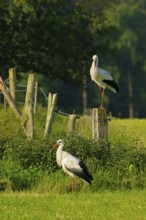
x=55, y=146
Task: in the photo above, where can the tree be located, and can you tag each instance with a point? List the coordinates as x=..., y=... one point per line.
x=130, y=20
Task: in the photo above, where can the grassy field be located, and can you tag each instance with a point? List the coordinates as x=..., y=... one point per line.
x=119, y=129
x=117, y=205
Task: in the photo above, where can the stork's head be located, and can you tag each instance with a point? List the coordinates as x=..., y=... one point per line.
x=95, y=61
x=59, y=142
x=95, y=57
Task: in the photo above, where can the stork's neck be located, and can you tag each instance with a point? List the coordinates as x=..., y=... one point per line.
x=95, y=63
x=60, y=148
x=59, y=154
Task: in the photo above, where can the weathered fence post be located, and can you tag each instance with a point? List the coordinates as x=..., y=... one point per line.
x=12, y=82
x=35, y=96
x=71, y=123
x=99, y=125
x=9, y=98
x=27, y=116
x=52, y=99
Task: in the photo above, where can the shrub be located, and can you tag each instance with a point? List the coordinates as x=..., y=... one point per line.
x=30, y=153
x=12, y=175
x=25, y=178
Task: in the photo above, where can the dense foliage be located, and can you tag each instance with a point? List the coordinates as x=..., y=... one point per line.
x=130, y=56
x=46, y=36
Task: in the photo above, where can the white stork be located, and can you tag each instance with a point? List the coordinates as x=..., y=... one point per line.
x=71, y=165
x=102, y=78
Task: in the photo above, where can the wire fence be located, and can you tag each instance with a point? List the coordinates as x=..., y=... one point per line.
x=42, y=97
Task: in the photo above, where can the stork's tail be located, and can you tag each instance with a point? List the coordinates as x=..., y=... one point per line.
x=112, y=85
x=86, y=175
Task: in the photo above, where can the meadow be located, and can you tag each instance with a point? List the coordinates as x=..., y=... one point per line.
x=33, y=187
x=107, y=205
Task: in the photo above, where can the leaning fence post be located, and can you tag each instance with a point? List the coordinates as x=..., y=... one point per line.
x=8, y=98
x=12, y=82
x=27, y=116
x=52, y=99
x=99, y=124
x=71, y=123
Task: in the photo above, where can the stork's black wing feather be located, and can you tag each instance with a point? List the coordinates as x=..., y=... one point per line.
x=82, y=172
x=112, y=83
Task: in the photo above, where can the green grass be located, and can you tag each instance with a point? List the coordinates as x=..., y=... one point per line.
x=128, y=129
x=119, y=129
x=107, y=205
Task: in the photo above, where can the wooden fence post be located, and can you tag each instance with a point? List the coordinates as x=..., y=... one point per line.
x=52, y=99
x=99, y=125
x=27, y=115
x=71, y=123
x=12, y=82
x=35, y=96
x=9, y=98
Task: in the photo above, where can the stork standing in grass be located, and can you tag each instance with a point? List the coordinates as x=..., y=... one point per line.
x=71, y=165
x=102, y=78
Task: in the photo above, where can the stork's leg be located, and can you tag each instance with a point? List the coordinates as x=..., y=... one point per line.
x=100, y=88
x=102, y=97
x=72, y=184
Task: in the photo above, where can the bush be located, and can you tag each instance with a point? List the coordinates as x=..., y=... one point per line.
x=125, y=168
x=119, y=167
x=25, y=178
x=13, y=176
x=84, y=148
x=32, y=153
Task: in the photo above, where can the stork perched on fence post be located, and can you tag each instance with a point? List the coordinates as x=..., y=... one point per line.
x=71, y=165
x=102, y=78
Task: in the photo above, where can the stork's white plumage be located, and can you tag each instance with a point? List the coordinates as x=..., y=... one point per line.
x=71, y=165
x=102, y=78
